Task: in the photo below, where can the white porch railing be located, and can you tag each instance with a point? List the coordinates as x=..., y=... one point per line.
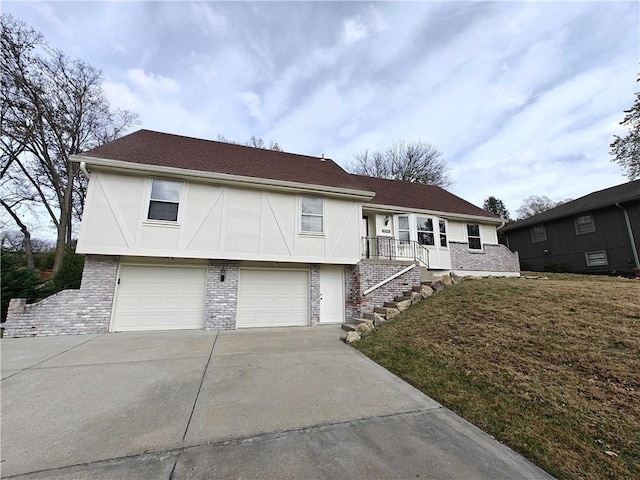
x=390, y=248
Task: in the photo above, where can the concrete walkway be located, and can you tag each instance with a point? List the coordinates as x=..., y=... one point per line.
x=264, y=403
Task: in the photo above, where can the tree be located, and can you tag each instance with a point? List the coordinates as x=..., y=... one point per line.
x=626, y=150
x=418, y=162
x=496, y=206
x=52, y=107
x=534, y=205
x=254, y=141
x=16, y=280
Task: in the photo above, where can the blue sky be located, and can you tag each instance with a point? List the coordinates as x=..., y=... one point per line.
x=523, y=98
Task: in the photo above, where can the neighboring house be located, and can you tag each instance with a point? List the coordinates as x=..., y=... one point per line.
x=184, y=233
x=597, y=233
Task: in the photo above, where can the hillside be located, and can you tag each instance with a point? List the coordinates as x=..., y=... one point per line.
x=549, y=367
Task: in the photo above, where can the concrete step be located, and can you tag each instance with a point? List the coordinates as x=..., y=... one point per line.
x=361, y=320
x=370, y=316
x=428, y=284
x=408, y=294
x=349, y=327
x=402, y=298
x=417, y=288
x=390, y=305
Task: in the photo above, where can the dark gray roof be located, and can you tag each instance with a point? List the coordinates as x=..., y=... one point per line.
x=600, y=199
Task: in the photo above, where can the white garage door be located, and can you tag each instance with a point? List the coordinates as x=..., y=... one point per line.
x=159, y=298
x=273, y=298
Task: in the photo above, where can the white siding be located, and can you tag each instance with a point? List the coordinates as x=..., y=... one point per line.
x=458, y=232
x=213, y=222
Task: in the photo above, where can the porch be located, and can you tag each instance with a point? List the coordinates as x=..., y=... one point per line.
x=389, y=248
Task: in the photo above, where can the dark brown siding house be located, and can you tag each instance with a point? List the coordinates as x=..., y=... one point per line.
x=598, y=233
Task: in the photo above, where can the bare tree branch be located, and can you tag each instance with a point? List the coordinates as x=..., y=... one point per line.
x=417, y=162
x=52, y=107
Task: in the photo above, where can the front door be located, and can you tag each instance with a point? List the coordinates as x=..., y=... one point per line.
x=332, y=294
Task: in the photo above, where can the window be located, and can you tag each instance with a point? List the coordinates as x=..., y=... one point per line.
x=165, y=198
x=584, y=224
x=312, y=209
x=473, y=234
x=538, y=233
x=443, y=233
x=596, y=259
x=403, y=228
x=425, y=231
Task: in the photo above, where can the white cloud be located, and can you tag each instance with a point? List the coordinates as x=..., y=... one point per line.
x=211, y=21
x=252, y=101
x=151, y=83
x=361, y=26
x=353, y=31
x=121, y=96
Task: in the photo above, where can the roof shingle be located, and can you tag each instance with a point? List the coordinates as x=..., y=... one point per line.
x=600, y=199
x=415, y=195
x=167, y=150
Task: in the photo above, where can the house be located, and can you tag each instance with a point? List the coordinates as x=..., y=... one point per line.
x=183, y=233
x=597, y=233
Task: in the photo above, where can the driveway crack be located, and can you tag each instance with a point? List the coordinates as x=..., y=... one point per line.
x=51, y=357
x=195, y=401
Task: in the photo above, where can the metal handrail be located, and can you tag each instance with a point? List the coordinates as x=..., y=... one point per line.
x=390, y=248
x=387, y=280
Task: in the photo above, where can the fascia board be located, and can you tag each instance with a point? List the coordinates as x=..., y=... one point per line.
x=447, y=215
x=224, y=178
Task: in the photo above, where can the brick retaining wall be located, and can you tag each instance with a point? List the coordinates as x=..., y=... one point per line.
x=366, y=274
x=492, y=258
x=86, y=310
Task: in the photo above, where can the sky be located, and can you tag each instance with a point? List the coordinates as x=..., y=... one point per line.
x=522, y=98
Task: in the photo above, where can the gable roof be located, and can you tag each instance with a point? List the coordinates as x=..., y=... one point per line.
x=174, y=151
x=397, y=193
x=593, y=201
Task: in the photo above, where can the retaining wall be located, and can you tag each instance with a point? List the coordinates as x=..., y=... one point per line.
x=86, y=310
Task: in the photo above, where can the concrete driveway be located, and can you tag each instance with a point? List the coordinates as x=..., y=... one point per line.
x=264, y=403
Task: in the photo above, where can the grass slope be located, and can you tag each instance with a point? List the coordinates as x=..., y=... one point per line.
x=549, y=367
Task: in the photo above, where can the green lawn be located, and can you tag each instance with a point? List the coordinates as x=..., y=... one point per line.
x=549, y=367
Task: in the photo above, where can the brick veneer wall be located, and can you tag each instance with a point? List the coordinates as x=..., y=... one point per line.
x=492, y=258
x=221, y=298
x=314, y=279
x=86, y=310
x=366, y=274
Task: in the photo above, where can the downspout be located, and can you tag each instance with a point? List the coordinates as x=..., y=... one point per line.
x=630, y=232
x=505, y=235
x=83, y=169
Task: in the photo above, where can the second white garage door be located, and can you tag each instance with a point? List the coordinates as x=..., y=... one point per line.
x=159, y=298
x=273, y=298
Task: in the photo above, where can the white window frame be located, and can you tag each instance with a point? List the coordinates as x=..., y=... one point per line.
x=442, y=235
x=308, y=214
x=591, y=225
x=159, y=200
x=419, y=231
x=597, y=263
x=479, y=237
x=408, y=229
x=533, y=236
